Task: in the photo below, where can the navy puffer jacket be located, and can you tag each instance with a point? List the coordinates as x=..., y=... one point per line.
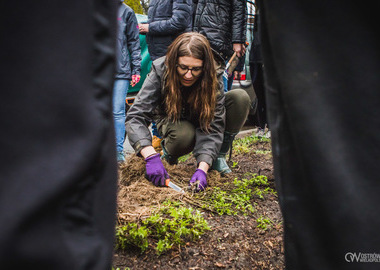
x=223, y=22
x=128, y=51
x=167, y=19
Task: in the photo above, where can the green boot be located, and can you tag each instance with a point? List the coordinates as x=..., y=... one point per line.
x=165, y=156
x=220, y=164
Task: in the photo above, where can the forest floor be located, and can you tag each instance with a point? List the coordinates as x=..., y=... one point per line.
x=238, y=216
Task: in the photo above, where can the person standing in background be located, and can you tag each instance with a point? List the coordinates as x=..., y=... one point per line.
x=224, y=23
x=256, y=67
x=167, y=19
x=127, y=69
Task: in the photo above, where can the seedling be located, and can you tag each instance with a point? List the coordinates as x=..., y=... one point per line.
x=184, y=158
x=172, y=224
x=238, y=199
x=244, y=145
x=264, y=223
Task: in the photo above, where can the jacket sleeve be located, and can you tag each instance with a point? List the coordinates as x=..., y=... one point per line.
x=207, y=145
x=140, y=114
x=133, y=42
x=239, y=21
x=180, y=19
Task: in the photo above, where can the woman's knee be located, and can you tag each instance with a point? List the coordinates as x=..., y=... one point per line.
x=180, y=139
x=238, y=99
x=237, y=104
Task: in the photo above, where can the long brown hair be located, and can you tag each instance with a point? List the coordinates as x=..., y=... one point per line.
x=202, y=98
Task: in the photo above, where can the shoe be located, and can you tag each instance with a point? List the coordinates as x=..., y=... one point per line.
x=260, y=132
x=120, y=157
x=263, y=133
x=220, y=164
x=156, y=143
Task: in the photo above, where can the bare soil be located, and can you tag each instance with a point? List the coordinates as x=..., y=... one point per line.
x=234, y=242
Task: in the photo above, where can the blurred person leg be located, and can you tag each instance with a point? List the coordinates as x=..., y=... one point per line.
x=58, y=167
x=322, y=67
x=258, y=86
x=120, y=90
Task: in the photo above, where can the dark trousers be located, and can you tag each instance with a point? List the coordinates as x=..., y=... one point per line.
x=180, y=136
x=322, y=66
x=256, y=70
x=58, y=162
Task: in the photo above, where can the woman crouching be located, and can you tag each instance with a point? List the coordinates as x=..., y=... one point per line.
x=184, y=94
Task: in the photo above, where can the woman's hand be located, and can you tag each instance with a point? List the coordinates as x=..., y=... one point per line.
x=155, y=170
x=199, y=179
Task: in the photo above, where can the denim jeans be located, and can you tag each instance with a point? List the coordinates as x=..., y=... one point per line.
x=120, y=90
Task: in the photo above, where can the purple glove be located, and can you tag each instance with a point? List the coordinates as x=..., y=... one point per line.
x=201, y=177
x=155, y=170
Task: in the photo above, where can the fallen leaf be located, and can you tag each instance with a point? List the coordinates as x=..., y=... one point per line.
x=218, y=264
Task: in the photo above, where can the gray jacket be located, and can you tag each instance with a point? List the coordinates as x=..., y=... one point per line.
x=128, y=53
x=149, y=105
x=167, y=19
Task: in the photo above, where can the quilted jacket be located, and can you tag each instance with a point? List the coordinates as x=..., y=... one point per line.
x=223, y=22
x=167, y=19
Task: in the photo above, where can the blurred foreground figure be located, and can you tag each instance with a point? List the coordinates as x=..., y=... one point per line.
x=58, y=158
x=322, y=68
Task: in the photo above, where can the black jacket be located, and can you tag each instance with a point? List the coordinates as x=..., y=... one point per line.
x=167, y=19
x=127, y=44
x=223, y=22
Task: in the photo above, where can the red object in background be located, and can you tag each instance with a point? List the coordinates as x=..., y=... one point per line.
x=242, y=77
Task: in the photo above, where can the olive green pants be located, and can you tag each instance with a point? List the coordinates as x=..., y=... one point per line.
x=179, y=137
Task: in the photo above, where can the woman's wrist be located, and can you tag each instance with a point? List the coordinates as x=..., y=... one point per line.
x=203, y=166
x=147, y=151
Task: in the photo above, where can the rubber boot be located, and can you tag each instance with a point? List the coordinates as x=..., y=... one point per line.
x=165, y=155
x=220, y=164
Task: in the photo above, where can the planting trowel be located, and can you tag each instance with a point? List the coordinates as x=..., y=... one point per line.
x=169, y=183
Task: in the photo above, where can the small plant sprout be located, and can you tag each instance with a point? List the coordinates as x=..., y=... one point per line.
x=264, y=223
x=171, y=225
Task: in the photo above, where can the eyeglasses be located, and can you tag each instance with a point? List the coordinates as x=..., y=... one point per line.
x=195, y=71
